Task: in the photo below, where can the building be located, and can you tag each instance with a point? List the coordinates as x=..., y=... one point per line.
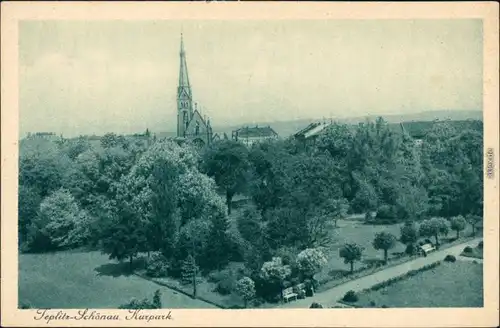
x=190, y=123
x=250, y=135
x=309, y=134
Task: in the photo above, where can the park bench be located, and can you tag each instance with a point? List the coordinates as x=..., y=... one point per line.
x=289, y=294
x=426, y=249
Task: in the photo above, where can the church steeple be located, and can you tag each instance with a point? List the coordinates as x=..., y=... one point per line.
x=184, y=95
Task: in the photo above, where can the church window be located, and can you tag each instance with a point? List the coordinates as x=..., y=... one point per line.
x=197, y=128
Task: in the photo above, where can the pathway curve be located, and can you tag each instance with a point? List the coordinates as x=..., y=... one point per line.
x=330, y=297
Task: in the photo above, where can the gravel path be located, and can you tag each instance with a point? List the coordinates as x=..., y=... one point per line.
x=330, y=297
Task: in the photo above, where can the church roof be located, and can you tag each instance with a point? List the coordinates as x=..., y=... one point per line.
x=249, y=132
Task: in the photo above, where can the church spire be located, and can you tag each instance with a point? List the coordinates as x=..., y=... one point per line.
x=183, y=73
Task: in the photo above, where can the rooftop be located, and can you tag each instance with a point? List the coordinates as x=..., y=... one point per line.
x=257, y=131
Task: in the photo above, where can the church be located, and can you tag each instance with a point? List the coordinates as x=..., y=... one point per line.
x=191, y=125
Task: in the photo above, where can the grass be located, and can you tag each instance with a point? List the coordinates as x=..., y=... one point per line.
x=458, y=284
x=87, y=280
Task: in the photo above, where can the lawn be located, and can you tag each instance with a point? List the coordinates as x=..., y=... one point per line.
x=87, y=280
x=356, y=231
x=458, y=284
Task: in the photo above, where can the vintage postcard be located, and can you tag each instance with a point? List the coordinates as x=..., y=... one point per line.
x=250, y=164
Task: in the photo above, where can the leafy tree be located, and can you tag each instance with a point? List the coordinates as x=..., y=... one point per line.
x=458, y=224
x=409, y=236
x=190, y=272
x=124, y=235
x=219, y=242
x=60, y=221
x=28, y=204
x=276, y=272
x=310, y=261
x=384, y=241
x=227, y=161
x=433, y=228
x=351, y=252
x=338, y=209
x=473, y=220
x=245, y=287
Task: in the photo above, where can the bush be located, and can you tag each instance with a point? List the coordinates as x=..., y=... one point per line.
x=480, y=245
x=372, y=303
x=468, y=249
x=225, y=279
x=145, y=303
x=427, y=241
x=385, y=306
x=410, y=249
x=157, y=266
x=315, y=305
x=350, y=296
x=450, y=258
x=386, y=214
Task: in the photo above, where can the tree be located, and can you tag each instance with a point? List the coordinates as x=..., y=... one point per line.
x=310, y=261
x=227, y=161
x=338, y=209
x=28, y=205
x=245, y=287
x=434, y=228
x=351, y=252
x=409, y=236
x=473, y=220
x=219, y=243
x=124, y=235
x=275, y=272
x=190, y=272
x=384, y=241
x=60, y=221
x=458, y=224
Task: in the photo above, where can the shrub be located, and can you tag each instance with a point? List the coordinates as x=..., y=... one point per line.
x=227, y=283
x=315, y=305
x=480, y=245
x=386, y=214
x=145, y=303
x=468, y=249
x=350, y=296
x=427, y=241
x=410, y=249
x=245, y=287
x=384, y=306
x=157, y=266
x=372, y=303
x=450, y=258
x=301, y=294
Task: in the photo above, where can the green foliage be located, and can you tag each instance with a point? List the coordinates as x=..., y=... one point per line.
x=227, y=161
x=157, y=266
x=411, y=273
x=384, y=241
x=474, y=220
x=275, y=270
x=245, y=287
x=351, y=253
x=386, y=214
x=434, y=228
x=450, y=258
x=60, y=223
x=409, y=233
x=458, y=223
x=480, y=245
x=189, y=270
x=145, y=303
x=310, y=261
x=350, y=296
x=316, y=305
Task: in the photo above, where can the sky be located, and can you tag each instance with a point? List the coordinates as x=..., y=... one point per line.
x=93, y=77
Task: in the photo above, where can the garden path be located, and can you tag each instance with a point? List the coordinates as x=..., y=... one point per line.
x=330, y=297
